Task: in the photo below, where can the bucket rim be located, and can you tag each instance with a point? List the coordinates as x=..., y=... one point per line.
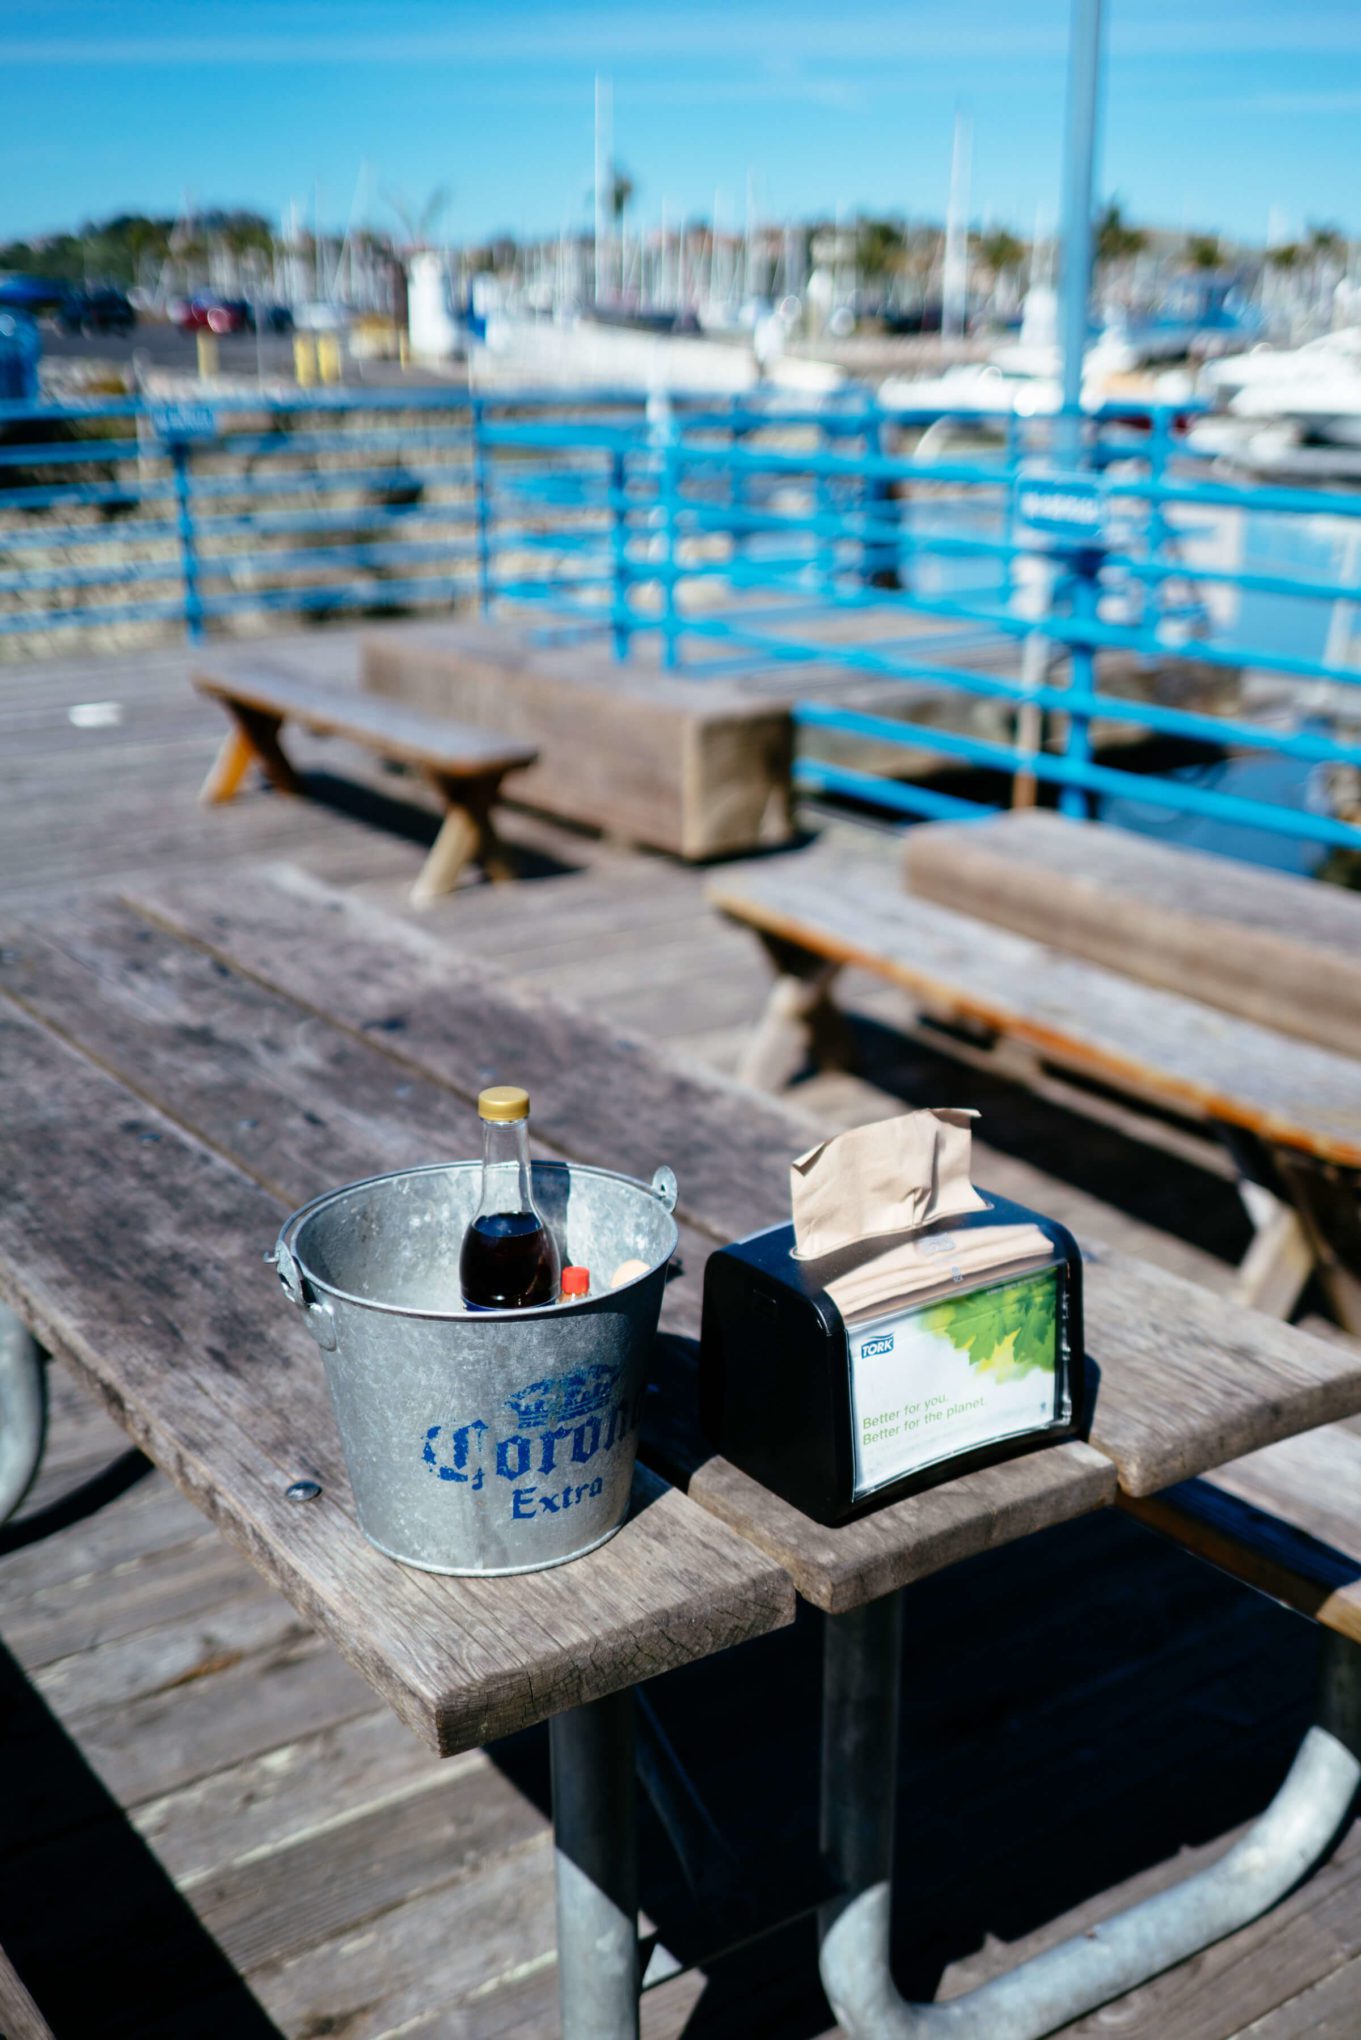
x=662, y=1190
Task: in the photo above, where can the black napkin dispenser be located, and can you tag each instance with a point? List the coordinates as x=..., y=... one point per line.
x=836, y=1416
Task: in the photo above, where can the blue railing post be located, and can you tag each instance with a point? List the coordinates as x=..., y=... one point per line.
x=1158, y=528
x=737, y=480
x=481, y=481
x=619, y=553
x=879, y=509
x=670, y=491
x=1084, y=596
x=826, y=511
x=1014, y=444
x=184, y=516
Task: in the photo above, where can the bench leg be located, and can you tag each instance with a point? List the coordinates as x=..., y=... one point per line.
x=1275, y=1268
x=859, y=1744
x=1327, y=1203
x=23, y=1410
x=595, y=1857
x=467, y=835
x=451, y=850
x=800, y=1020
x=252, y=739
x=1308, y=1220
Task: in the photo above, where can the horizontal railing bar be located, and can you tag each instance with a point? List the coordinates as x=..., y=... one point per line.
x=264, y=521
x=337, y=596
x=813, y=775
x=1179, y=722
x=1157, y=792
x=360, y=554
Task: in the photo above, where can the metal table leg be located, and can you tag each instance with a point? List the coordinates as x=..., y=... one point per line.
x=23, y=1410
x=860, y=1716
x=596, y=1862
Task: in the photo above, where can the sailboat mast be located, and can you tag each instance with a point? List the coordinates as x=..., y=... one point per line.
x=603, y=150
x=955, y=280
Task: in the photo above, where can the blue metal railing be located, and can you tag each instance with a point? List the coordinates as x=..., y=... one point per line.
x=996, y=612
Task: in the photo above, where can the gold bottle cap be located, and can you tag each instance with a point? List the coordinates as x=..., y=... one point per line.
x=502, y=1103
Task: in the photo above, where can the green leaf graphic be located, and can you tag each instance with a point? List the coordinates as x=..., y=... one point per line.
x=1008, y=1331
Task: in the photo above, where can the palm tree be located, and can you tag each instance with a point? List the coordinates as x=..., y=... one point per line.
x=1116, y=239
x=621, y=192
x=999, y=251
x=1203, y=251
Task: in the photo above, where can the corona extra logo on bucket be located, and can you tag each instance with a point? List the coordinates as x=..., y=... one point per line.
x=566, y=1423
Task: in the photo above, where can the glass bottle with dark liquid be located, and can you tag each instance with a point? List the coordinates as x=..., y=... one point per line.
x=510, y=1258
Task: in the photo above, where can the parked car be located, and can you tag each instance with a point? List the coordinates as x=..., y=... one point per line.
x=276, y=318
x=96, y=311
x=205, y=313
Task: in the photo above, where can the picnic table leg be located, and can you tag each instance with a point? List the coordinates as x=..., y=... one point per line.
x=799, y=1020
x=252, y=739
x=1307, y=1216
x=23, y=1410
x=859, y=1760
x=596, y=1865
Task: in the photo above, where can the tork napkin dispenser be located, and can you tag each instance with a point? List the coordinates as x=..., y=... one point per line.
x=835, y=1412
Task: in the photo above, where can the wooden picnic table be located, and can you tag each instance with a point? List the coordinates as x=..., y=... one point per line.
x=1287, y=1110
x=181, y=1067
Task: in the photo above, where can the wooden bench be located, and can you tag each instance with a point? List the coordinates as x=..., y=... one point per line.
x=1289, y=1111
x=464, y=765
x=150, y=1143
x=695, y=768
x=1274, y=948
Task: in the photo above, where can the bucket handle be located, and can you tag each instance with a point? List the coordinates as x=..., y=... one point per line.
x=665, y=1187
x=320, y=1318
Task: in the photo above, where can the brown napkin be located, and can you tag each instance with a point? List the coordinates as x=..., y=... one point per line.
x=932, y=1264
x=893, y=1177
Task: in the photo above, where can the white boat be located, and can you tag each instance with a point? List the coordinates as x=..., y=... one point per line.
x=1323, y=402
x=1266, y=368
x=1024, y=377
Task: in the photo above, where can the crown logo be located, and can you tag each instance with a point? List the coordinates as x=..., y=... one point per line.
x=565, y=1400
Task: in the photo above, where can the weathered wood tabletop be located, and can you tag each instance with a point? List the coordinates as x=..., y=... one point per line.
x=182, y=1067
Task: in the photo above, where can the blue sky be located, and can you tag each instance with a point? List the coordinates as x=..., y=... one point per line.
x=1216, y=111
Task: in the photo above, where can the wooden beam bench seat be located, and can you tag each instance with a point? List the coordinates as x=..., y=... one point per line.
x=1270, y=946
x=697, y=768
x=463, y=764
x=1290, y=1111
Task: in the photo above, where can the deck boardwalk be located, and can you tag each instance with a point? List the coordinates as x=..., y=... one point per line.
x=198, y=1791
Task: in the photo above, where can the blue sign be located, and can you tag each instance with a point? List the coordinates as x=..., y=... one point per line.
x=181, y=422
x=1066, y=505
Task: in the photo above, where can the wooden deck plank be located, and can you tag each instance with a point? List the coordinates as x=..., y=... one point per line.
x=1275, y=948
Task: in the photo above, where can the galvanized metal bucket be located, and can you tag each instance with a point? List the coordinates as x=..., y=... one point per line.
x=497, y=1441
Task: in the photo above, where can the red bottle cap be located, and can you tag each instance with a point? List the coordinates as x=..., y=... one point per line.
x=576, y=1281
